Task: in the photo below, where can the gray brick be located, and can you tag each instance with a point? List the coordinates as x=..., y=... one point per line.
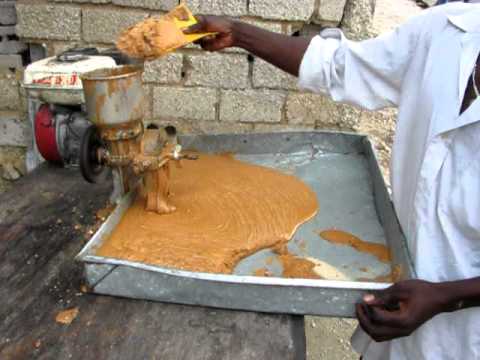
x=164, y=70
x=266, y=25
x=268, y=76
x=148, y=4
x=48, y=21
x=282, y=9
x=218, y=7
x=251, y=106
x=184, y=103
x=8, y=15
x=9, y=95
x=148, y=102
x=281, y=128
x=330, y=11
x=13, y=131
x=84, y=1
x=309, y=109
x=205, y=127
x=229, y=71
x=104, y=25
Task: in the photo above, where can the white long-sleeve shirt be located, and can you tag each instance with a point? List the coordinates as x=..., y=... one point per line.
x=422, y=68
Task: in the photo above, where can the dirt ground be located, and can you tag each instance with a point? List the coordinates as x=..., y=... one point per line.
x=329, y=338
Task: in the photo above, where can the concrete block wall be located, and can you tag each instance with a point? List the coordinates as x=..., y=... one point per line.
x=203, y=92
x=14, y=129
x=199, y=91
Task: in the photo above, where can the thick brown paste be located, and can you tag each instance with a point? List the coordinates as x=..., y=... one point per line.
x=151, y=38
x=380, y=251
x=226, y=210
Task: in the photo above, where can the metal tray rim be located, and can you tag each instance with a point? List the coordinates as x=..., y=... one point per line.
x=237, y=279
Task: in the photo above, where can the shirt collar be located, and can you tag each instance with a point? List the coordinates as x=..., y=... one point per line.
x=468, y=21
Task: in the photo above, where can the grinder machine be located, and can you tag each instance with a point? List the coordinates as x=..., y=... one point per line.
x=117, y=139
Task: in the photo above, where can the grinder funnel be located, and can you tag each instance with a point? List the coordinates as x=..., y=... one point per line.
x=114, y=97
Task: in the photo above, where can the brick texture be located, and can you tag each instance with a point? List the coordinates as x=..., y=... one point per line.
x=164, y=70
x=268, y=76
x=84, y=1
x=251, y=106
x=330, y=11
x=148, y=4
x=9, y=94
x=48, y=22
x=299, y=10
x=228, y=71
x=13, y=131
x=103, y=26
x=205, y=127
x=184, y=103
x=218, y=7
x=310, y=109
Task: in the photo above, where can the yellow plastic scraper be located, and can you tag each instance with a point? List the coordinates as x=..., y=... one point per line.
x=156, y=36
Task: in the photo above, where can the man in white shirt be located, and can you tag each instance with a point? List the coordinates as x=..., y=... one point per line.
x=430, y=69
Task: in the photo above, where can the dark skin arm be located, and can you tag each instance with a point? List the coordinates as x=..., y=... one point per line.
x=285, y=52
x=401, y=309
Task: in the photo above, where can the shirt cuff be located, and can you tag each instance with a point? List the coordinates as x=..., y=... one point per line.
x=318, y=67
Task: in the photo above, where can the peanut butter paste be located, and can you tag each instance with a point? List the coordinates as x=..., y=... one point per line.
x=295, y=266
x=381, y=252
x=226, y=210
x=66, y=317
x=151, y=38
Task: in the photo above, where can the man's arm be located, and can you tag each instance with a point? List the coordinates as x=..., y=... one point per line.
x=401, y=309
x=285, y=52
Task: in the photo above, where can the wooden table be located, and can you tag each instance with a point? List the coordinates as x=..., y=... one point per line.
x=44, y=222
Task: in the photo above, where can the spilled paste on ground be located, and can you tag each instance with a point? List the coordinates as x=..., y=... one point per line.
x=226, y=210
x=66, y=317
x=380, y=251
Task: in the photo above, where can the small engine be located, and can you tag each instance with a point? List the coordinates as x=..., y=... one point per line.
x=56, y=103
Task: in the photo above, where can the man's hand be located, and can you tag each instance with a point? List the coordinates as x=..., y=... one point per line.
x=222, y=26
x=401, y=309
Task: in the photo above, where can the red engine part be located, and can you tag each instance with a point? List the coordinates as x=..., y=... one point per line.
x=45, y=135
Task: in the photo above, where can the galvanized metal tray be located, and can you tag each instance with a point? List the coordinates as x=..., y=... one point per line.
x=342, y=169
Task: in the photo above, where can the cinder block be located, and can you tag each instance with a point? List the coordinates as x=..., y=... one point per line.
x=10, y=61
x=8, y=15
x=330, y=11
x=299, y=10
x=9, y=94
x=148, y=4
x=148, y=102
x=266, y=25
x=205, y=127
x=8, y=46
x=263, y=128
x=309, y=109
x=218, y=7
x=13, y=131
x=166, y=70
x=84, y=1
x=43, y=21
x=251, y=106
x=228, y=71
x=268, y=76
x=104, y=25
x=173, y=103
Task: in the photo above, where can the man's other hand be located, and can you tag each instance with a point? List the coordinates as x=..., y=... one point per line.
x=222, y=26
x=401, y=309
